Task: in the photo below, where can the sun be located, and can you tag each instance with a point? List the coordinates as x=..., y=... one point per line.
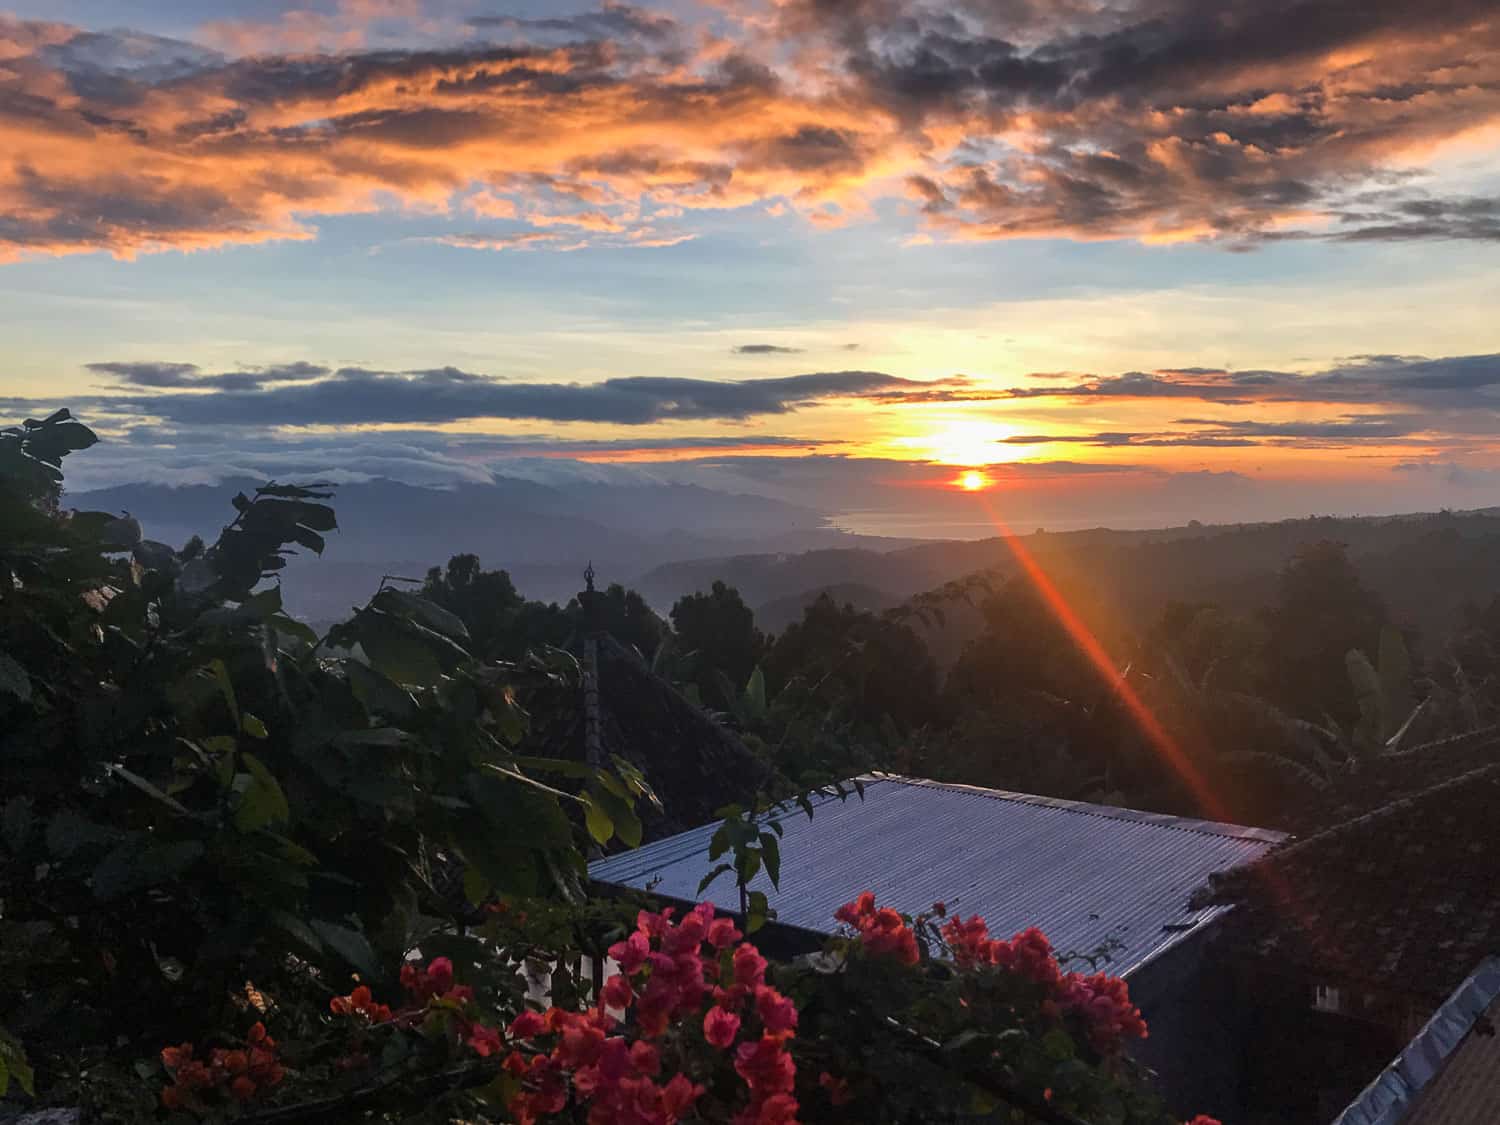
x=973, y=481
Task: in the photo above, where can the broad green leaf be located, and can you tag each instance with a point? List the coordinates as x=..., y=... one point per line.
x=517, y=813
x=298, y=929
x=13, y=1065
x=611, y=783
x=376, y=738
x=220, y=674
x=261, y=800
x=146, y=787
x=136, y=864
x=476, y=886
x=627, y=824
x=509, y=870
x=309, y=539
x=719, y=843
x=378, y=693
x=293, y=852
x=397, y=648
x=708, y=879
x=291, y=627
x=770, y=854
x=14, y=680
x=758, y=913
x=421, y=610
x=600, y=826
x=349, y=944
x=252, y=726
x=746, y=865
x=755, y=694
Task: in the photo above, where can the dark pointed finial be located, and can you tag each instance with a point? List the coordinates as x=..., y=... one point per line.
x=588, y=577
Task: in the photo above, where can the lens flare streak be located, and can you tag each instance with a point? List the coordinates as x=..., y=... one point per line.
x=1082, y=636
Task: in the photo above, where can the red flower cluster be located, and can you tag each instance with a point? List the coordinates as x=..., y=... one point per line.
x=1104, y=1004
x=673, y=977
x=615, y=1078
x=434, y=982
x=427, y=989
x=361, y=1004
x=1101, y=1001
x=881, y=931
x=240, y=1073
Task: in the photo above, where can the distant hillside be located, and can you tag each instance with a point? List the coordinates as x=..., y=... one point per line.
x=669, y=540
x=900, y=572
x=774, y=616
x=1425, y=566
x=544, y=534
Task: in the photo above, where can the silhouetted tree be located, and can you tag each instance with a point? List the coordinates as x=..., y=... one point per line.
x=719, y=628
x=1322, y=611
x=502, y=624
x=1022, y=649
x=1210, y=646
x=857, y=663
x=625, y=615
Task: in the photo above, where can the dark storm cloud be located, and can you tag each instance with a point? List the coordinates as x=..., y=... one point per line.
x=1345, y=429
x=150, y=374
x=1450, y=382
x=1218, y=433
x=164, y=374
x=764, y=349
x=1171, y=118
x=360, y=396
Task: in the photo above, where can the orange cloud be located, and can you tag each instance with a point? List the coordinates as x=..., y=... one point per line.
x=1061, y=121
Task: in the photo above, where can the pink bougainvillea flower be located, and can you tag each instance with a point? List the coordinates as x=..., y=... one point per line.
x=765, y=1066
x=527, y=1025
x=778, y=1015
x=485, y=1041
x=679, y=1094
x=617, y=992
x=720, y=1027
x=631, y=954
x=722, y=933
x=440, y=974
x=749, y=967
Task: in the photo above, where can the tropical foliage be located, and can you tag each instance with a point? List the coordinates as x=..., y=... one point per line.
x=259, y=874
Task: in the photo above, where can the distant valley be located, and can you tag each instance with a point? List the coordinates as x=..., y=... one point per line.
x=667, y=540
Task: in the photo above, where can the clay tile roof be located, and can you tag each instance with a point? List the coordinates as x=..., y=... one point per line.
x=1402, y=899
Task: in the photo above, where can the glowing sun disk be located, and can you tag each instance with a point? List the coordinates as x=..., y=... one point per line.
x=973, y=481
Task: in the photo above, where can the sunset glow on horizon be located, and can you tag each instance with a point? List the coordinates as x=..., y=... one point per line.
x=743, y=243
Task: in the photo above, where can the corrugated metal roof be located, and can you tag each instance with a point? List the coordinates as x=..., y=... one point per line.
x=1084, y=874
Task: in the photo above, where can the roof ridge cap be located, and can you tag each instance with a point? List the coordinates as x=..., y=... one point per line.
x=1169, y=821
x=1381, y=812
x=1439, y=744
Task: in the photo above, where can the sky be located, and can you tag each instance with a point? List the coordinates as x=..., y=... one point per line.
x=1119, y=261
